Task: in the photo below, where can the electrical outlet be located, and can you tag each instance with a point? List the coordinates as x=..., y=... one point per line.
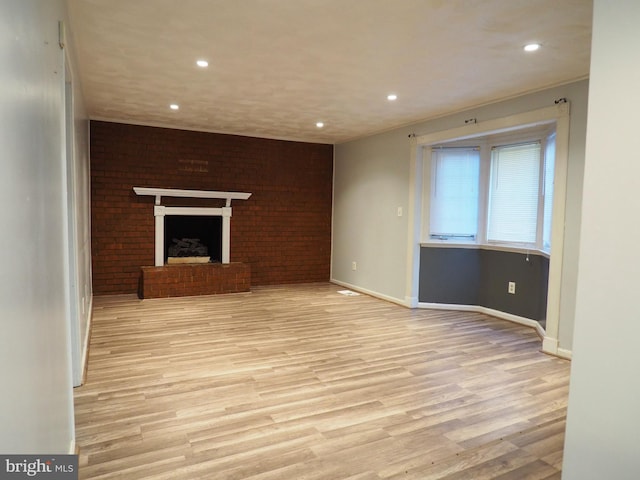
x=512, y=288
x=354, y=266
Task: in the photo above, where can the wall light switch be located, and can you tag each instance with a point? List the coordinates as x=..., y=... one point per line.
x=399, y=211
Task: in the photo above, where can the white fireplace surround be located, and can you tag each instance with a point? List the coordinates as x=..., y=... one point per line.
x=159, y=212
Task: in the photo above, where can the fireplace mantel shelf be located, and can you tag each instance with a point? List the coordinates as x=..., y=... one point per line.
x=173, y=192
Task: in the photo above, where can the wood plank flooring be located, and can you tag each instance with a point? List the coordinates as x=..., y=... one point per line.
x=301, y=382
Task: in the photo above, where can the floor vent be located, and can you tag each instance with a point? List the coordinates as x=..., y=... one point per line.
x=348, y=293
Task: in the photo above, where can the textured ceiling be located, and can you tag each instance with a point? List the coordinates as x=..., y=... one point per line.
x=276, y=67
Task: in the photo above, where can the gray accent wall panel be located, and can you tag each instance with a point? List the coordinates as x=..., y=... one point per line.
x=531, y=277
x=450, y=275
x=466, y=276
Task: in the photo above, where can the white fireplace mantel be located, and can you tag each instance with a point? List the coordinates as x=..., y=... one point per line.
x=173, y=192
x=160, y=211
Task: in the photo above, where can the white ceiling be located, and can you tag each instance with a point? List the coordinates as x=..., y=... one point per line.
x=276, y=67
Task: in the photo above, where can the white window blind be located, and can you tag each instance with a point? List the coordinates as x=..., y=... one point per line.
x=549, y=167
x=513, y=193
x=454, y=193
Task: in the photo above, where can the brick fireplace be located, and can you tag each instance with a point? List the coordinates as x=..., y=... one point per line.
x=192, y=278
x=282, y=232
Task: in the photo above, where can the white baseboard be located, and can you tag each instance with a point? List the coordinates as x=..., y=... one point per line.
x=355, y=288
x=564, y=353
x=516, y=319
x=448, y=306
x=527, y=322
x=552, y=347
x=411, y=302
x=72, y=447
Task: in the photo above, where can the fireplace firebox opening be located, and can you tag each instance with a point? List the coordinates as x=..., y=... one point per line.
x=193, y=236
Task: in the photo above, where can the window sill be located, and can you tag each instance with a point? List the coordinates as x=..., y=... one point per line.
x=486, y=246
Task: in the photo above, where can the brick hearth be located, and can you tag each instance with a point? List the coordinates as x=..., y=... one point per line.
x=194, y=279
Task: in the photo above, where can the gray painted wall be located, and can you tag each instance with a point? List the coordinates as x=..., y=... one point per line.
x=471, y=276
x=603, y=424
x=36, y=406
x=372, y=179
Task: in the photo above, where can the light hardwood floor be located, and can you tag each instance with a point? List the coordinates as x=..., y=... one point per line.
x=300, y=382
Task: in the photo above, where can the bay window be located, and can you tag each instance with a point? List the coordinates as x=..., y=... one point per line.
x=499, y=191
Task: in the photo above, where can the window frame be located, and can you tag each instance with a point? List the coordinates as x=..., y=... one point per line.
x=552, y=134
x=459, y=238
x=485, y=143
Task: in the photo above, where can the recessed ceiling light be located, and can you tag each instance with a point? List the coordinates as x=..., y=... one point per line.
x=391, y=97
x=531, y=47
x=202, y=63
x=174, y=106
x=319, y=124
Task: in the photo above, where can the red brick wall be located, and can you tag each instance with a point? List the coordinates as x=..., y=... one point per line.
x=283, y=231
